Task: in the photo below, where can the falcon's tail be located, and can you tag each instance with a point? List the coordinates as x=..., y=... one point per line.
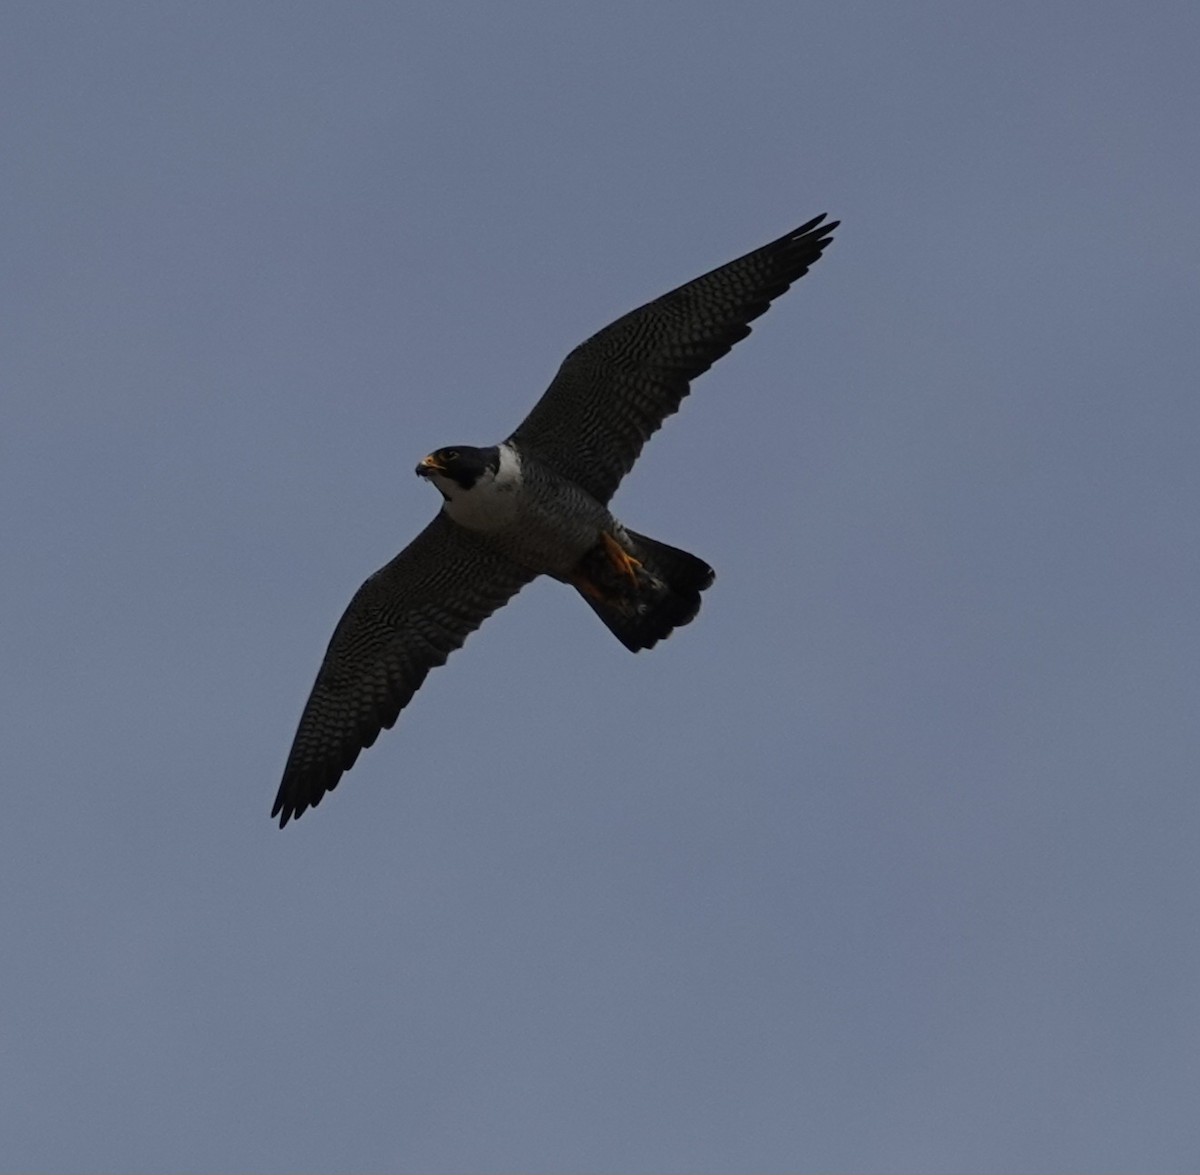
x=661, y=594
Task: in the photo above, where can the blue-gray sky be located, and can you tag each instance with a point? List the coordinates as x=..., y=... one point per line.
x=888, y=862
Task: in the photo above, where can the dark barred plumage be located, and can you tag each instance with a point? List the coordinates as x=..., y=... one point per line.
x=613, y=392
x=538, y=505
x=403, y=622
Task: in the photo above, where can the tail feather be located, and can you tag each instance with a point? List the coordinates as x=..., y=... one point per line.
x=667, y=596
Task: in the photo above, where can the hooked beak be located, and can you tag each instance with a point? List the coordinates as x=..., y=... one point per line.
x=428, y=465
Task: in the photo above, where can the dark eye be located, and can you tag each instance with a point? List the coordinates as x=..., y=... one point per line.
x=450, y=455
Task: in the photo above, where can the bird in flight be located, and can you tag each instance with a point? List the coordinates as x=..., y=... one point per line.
x=537, y=504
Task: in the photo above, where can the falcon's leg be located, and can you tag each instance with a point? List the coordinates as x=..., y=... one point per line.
x=640, y=599
x=622, y=561
x=609, y=574
x=585, y=587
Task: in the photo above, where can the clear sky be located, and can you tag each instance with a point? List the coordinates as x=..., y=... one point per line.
x=888, y=862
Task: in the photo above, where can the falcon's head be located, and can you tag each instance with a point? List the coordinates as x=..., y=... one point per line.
x=459, y=467
x=480, y=485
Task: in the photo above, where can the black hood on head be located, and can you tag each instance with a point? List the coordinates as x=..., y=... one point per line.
x=463, y=464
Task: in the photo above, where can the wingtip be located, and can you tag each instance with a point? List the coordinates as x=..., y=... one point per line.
x=284, y=809
x=813, y=234
x=817, y=227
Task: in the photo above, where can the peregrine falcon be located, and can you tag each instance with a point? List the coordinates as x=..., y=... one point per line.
x=537, y=504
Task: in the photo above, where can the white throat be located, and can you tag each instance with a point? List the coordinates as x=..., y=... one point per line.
x=491, y=503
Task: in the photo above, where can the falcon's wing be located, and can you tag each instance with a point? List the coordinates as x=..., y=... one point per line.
x=614, y=391
x=405, y=620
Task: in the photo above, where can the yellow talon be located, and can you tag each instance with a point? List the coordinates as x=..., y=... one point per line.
x=625, y=563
